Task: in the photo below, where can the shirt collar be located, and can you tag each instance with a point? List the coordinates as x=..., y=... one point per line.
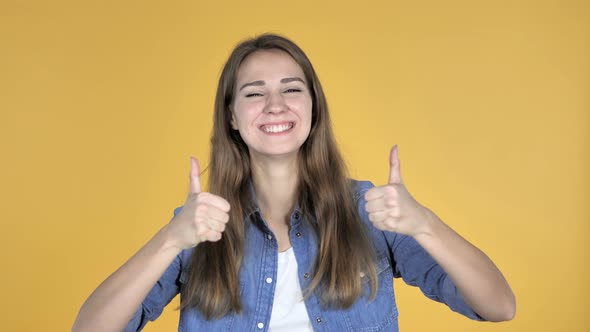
x=253, y=207
x=253, y=204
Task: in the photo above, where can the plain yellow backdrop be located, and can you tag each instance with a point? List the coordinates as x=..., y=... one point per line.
x=103, y=102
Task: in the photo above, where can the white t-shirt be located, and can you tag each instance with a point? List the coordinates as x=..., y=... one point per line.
x=288, y=309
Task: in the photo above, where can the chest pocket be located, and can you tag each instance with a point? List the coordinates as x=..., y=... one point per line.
x=191, y=319
x=380, y=313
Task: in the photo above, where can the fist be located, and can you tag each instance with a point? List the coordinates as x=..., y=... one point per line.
x=391, y=207
x=203, y=216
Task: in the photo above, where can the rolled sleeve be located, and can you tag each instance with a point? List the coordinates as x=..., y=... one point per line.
x=165, y=289
x=161, y=294
x=418, y=268
x=455, y=301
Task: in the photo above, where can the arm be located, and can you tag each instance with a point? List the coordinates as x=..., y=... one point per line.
x=392, y=209
x=113, y=303
x=111, y=306
x=478, y=279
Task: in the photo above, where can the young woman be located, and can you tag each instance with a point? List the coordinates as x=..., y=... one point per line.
x=284, y=240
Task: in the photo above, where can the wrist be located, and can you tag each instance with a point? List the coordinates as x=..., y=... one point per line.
x=167, y=241
x=431, y=226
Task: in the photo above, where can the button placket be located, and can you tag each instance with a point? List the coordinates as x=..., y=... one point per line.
x=267, y=275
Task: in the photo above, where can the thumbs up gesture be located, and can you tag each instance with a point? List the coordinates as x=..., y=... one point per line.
x=391, y=207
x=203, y=216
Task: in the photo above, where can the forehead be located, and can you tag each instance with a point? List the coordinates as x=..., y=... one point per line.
x=268, y=65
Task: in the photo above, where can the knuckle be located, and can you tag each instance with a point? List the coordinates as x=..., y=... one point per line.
x=203, y=196
x=201, y=232
x=215, y=236
x=197, y=221
x=392, y=190
x=202, y=209
x=390, y=224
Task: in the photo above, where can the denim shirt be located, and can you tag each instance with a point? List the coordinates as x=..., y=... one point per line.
x=397, y=256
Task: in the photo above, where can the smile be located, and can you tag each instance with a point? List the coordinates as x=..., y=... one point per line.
x=277, y=128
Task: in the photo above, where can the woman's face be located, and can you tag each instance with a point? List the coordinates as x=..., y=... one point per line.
x=272, y=104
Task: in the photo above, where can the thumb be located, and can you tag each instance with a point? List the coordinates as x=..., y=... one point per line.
x=195, y=176
x=395, y=175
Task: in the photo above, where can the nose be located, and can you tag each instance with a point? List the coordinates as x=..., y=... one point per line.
x=275, y=103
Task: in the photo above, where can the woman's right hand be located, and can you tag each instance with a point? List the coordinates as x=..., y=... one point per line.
x=203, y=216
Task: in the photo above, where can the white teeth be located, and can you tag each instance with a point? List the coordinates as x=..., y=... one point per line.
x=278, y=128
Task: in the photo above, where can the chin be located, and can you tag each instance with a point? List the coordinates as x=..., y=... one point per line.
x=276, y=153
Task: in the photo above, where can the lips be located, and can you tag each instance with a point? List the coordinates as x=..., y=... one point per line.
x=277, y=128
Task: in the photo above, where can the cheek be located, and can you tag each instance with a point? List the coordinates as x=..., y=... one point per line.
x=303, y=106
x=241, y=115
x=308, y=111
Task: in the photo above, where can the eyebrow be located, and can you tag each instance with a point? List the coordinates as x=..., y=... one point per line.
x=261, y=83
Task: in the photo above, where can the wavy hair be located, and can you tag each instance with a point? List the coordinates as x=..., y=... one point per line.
x=324, y=195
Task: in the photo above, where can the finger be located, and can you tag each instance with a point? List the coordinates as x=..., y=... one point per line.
x=215, y=225
x=213, y=236
x=375, y=205
x=214, y=201
x=382, y=192
x=379, y=225
x=374, y=193
x=378, y=217
x=217, y=214
x=391, y=224
x=195, y=177
x=394, y=167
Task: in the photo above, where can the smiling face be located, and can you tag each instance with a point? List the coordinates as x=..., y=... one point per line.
x=272, y=104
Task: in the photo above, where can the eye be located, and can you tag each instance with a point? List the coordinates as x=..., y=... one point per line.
x=293, y=90
x=253, y=94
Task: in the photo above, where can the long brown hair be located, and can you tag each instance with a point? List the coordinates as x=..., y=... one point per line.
x=324, y=194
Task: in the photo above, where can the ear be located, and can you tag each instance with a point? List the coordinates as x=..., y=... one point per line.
x=233, y=122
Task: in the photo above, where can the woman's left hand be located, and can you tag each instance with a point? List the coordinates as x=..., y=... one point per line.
x=392, y=208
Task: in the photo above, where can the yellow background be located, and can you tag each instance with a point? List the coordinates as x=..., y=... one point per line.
x=102, y=103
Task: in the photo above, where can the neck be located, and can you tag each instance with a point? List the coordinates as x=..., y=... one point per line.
x=275, y=181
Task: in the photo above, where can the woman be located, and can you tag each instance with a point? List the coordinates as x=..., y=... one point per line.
x=284, y=240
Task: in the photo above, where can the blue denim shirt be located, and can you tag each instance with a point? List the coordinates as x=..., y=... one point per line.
x=397, y=256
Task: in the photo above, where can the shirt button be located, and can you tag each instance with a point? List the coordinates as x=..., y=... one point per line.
x=268, y=280
x=269, y=237
x=306, y=275
x=260, y=325
x=319, y=319
x=298, y=234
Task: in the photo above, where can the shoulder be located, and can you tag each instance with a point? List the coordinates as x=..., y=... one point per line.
x=359, y=188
